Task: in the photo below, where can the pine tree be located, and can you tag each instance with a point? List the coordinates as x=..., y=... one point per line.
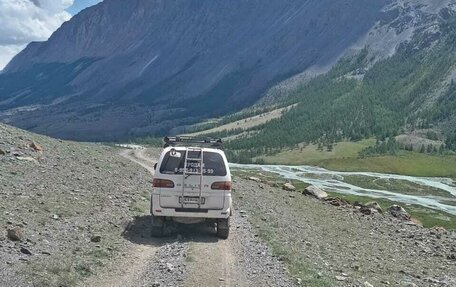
x=423, y=149
x=329, y=147
x=441, y=149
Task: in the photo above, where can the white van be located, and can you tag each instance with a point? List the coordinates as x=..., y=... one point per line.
x=192, y=184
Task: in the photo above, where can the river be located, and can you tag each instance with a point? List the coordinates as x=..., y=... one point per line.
x=333, y=181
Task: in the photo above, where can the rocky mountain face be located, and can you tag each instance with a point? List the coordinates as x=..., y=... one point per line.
x=128, y=68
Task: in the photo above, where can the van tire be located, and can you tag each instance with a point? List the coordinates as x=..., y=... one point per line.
x=157, y=226
x=223, y=228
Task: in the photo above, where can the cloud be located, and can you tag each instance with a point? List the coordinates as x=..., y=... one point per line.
x=8, y=52
x=24, y=21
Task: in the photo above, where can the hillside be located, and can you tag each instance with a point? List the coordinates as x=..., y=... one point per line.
x=412, y=91
x=69, y=203
x=128, y=68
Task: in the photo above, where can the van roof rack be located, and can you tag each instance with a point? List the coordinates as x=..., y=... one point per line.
x=186, y=140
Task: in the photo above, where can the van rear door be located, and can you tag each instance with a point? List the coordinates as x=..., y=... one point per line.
x=187, y=190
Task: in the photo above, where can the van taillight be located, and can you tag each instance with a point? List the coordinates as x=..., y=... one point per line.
x=163, y=183
x=221, y=185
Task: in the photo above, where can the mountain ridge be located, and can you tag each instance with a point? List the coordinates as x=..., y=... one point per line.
x=147, y=67
x=214, y=51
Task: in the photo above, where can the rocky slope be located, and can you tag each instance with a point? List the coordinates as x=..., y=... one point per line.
x=63, y=207
x=119, y=68
x=333, y=244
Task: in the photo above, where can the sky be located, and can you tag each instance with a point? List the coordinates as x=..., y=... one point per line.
x=78, y=5
x=24, y=21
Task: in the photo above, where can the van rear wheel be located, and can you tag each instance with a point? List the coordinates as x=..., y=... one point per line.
x=223, y=228
x=157, y=226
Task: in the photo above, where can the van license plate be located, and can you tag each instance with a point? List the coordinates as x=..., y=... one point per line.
x=191, y=200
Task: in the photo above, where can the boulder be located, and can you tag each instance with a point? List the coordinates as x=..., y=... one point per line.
x=256, y=179
x=25, y=251
x=15, y=234
x=341, y=278
x=2, y=152
x=288, y=187
x=316, y=192
x=27, y=158
x=95, y=238
x=375, y=206
x=36, y=147
x=399, y=212
x=357, y=204
x=370, y=208
x=440, y=229
x=366, y=210
x=336, y=201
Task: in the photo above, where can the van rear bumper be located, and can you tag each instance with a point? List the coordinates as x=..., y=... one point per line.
x=160, y=211
x=191, y=213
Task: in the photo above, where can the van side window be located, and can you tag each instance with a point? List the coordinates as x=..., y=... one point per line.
x=213, y=164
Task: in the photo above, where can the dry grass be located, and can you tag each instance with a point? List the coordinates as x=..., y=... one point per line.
x=310, y=154
x=245, y=123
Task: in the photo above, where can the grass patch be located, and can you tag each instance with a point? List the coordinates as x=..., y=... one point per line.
x=448, y=202
x=99, y=253
x=345, y=157
x=394, y=185
x=137, y=208
x=407, y=163
x=268, y=178
x=300, y=186
x=142, y=206
x=52, y=273
x=264, y=176
x=70, y=269
x=311, y=154
x=190, y=257
x=83, y=269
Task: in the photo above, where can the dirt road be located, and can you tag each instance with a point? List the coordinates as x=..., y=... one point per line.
x=192, y=255
x=139, y=156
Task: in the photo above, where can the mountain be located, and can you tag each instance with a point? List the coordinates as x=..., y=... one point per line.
x=412, y=92
x=127, y=68
x=123, y=68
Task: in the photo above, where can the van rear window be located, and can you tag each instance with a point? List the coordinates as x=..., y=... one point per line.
x=213, y=164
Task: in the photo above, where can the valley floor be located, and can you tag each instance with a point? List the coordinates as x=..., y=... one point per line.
x=345, y=157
